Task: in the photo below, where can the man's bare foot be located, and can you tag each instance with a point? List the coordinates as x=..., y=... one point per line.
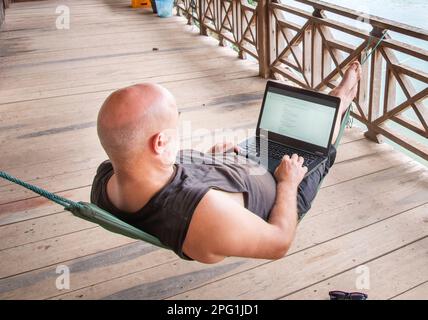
x=348, y=87
x=351, y=77
x=346, y=91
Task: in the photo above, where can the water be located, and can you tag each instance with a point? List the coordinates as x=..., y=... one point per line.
x=412, y=12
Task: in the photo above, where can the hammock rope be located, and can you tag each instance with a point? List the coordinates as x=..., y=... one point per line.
x=66, y=203
x=90, y=212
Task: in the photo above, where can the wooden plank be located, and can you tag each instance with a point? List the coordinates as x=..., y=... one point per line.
x=37, y=207
x=171, y=83
x=130, y=40
x=74, y=88
x=388, y=275
x=277, y=279
x=57, y=250
x=101, y=266
x=34, y=230
x=158, y=282
x=98, y=26
x=75, y=54
x=110, y=67
x=419, y=292
x=367, y=164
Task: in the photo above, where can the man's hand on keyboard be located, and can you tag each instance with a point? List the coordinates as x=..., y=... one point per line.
x=291, y=170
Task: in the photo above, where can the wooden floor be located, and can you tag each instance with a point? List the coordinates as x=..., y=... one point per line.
x=372, y=209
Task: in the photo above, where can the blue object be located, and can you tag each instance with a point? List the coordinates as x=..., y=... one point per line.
x=164, y=8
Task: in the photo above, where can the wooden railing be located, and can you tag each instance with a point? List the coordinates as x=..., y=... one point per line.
x=391, y=99
x=228, y=20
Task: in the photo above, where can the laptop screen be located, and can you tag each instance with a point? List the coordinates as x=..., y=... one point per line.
x=298, y=116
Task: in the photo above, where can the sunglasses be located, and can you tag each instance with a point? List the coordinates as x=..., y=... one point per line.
x=342, y=295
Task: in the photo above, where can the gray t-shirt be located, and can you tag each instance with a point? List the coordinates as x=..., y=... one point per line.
x=168, y=213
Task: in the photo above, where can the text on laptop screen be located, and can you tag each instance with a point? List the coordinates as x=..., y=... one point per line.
x=296, y=118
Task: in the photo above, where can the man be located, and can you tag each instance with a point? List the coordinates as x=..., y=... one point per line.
x=203, y=210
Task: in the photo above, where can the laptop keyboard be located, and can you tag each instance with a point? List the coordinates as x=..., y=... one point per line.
x=277, y=151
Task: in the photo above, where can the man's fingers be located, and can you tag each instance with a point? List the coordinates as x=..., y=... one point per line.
x=294, y=156
x=301, y=160
x=286, y=157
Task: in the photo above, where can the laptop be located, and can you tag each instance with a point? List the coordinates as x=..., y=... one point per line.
x=292, y=120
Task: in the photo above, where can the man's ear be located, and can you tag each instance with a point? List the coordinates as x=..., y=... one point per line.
x=159, y=142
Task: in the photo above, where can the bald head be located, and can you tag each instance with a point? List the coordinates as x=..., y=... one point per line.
x=131, y=116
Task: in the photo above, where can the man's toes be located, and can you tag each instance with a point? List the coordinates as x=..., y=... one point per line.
x=352, y=67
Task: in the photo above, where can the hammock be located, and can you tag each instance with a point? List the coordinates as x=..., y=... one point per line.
x=108, y=221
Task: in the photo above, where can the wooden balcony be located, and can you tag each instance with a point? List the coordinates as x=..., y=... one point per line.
x=312, y=53
x=372, y=210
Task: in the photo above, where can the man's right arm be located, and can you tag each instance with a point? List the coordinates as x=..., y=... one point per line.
x=221, y=227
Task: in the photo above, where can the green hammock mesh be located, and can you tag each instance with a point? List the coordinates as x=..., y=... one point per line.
x=108, y=221
x=90, y=212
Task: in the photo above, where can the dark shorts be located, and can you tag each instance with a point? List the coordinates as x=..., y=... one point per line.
x=309, y=186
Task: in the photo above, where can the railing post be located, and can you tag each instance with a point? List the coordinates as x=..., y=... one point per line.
x=375, y=90
x=178, y=10
x=238, y=23
x=263, y=46
x=201, y=14
x=317, y=51
x=189, y=15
